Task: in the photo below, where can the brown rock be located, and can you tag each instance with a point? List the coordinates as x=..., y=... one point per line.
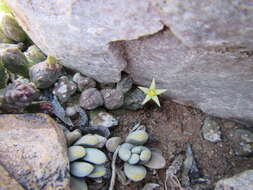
x=7, y=182
x=33, y=151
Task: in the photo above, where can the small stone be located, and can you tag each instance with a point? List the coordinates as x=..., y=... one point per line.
x=34, y=55
x=71, y=111
x=242, y=141
x=150, y=186
x=125, y=151
x=88, y=140
x=138, y=137
x=134, y=159
x=91, y=98
x=211, y=130
x=145, y=155
x=75, y=153
x=125, y=84
x=157, y=161
x=241, y=181
x=83, y=82
x=78, y=184
x=81, y=169
x=112, y=143
x=99, y=171
x=73, y=136
x=103, y=119
x=95, y=156
x=133, y=99
x=113, y=99
x=135, y=172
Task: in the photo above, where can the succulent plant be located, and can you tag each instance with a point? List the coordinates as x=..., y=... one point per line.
x=11, y=29
x=46, y=73
x=34, y=55
x=3, y=76
x=14, y=61
x=4, y=39
x=19, y=94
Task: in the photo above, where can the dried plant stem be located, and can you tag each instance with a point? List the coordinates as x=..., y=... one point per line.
x=114, y=158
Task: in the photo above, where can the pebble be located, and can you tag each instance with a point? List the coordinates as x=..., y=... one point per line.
x=133, y=99
x=64, y=88
x=112, y=143
x=88, y=140
x=99, y=171
x=78, y=184
x=113, y=98
x=81, y=169
x=91, y=98
x=71, y=111
x=211, y=130
x=138, y=137
x=83, y=82
x=241, y=181
x=157, y=161
x=103, y=119
x=95, y=156
x=125, y=84
x=75, y=153
x=73, y=136
x=135, y=172
x=242, y=141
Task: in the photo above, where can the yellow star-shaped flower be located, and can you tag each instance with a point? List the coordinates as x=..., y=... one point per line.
x=152, y=93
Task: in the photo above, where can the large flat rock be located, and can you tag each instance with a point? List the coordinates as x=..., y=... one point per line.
x=33, y=151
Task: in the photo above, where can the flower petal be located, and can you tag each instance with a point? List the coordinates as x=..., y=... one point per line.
x=145, y=90
x=152, y=86
x=156, y=100
x=160, y=91
x=147, y=98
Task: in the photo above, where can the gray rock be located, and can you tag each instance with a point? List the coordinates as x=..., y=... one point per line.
x=91, y=98
x=34, y=55
x=241, y=181
x=211, y=130
x=71, y=111
x=104, y=120
x=242, y=141
x=83, y=82
x=64, y=88
x=133, y=99
x=125, y=84
x=113, y=98
x=203, y=59
x=34, y=151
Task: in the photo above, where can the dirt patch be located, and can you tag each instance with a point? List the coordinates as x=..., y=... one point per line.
x=171, y=128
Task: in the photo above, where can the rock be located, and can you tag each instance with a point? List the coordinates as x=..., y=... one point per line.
x=103, y=120
x=125, y=151
x=134, y=159
x=46, y=73
x=112, y=143
x=211, y=130
x=242, y=141
x=34, y=55
x=125, y=84
x=3, y=76
x=91, y=98
x=75, y=153
x=83, y=82
x=133, y=99
x=64, y=88
x=95, y=156
x=135, y=172
x=113, y=99
x=88, y=140
x=241, y=181
x=7, y=182
x=73, y=136
x=204, y=60
x=78, y=184
x=71, y=111
x=150, y=186
x=81, y=169
x=15, y=61
x=157, y=161
x=37, y=161
x=99, y=171
x=138, y=137
x=11, y=29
